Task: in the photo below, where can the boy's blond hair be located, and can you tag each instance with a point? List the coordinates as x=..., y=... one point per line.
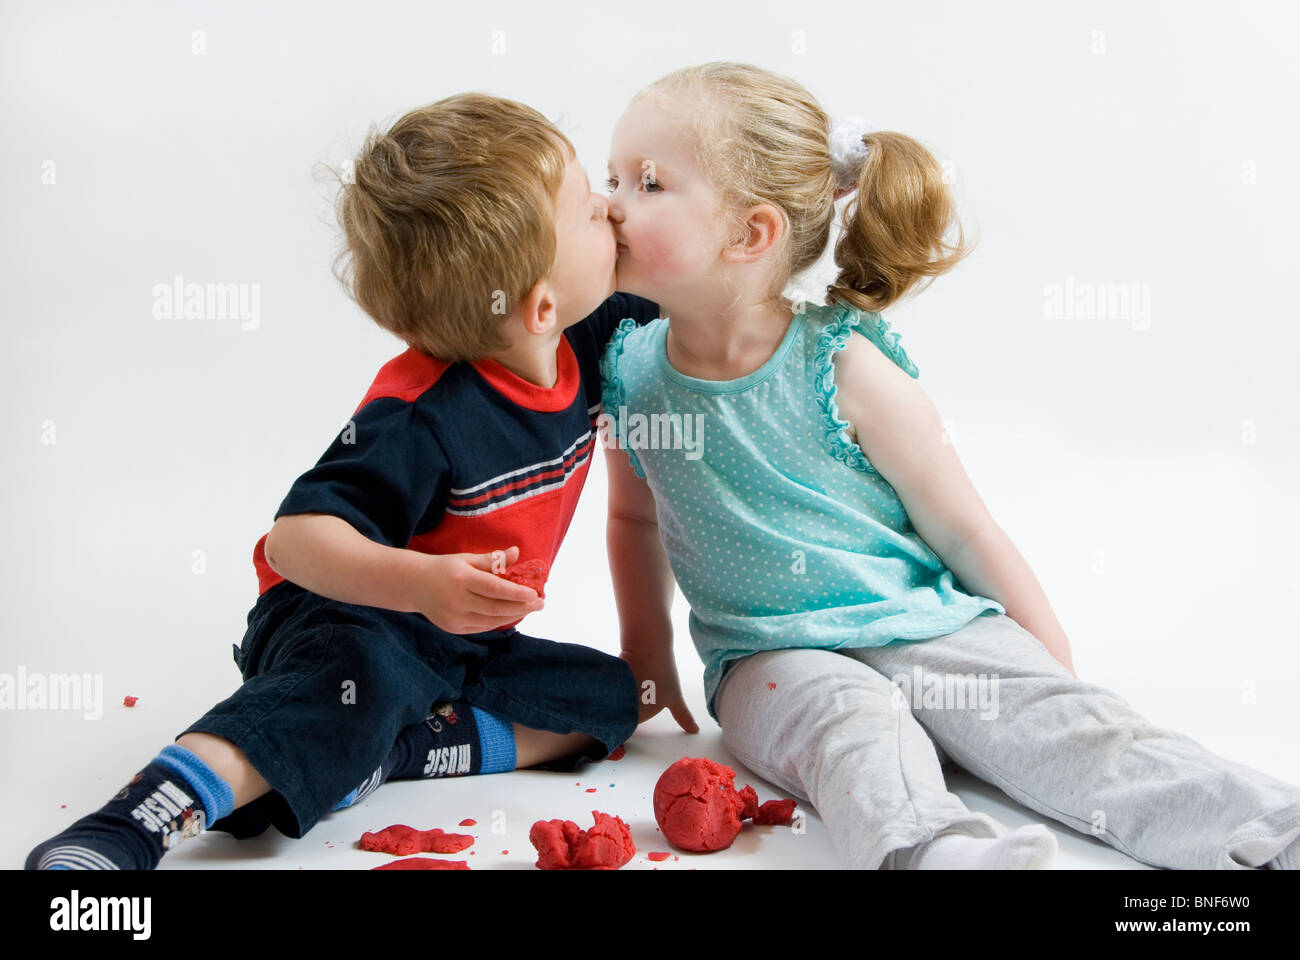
x=449, y=219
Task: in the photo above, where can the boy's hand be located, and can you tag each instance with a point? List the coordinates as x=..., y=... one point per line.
x=459, y=593
x=659, y=666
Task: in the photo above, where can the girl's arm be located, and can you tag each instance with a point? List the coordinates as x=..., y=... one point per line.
x=643, y=591
x=902, y=436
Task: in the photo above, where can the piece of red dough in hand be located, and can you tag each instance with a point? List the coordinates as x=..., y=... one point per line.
x=399, y=840
x=697, y=806
x=423, y=863
x=776, y=812
x=562, y=845
x=531, y=573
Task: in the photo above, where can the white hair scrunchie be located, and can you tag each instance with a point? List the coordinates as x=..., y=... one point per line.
x=848, y=151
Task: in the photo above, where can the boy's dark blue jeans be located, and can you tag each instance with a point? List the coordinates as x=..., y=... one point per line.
x=328, y=686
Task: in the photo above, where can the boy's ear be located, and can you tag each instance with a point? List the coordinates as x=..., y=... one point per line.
x=537, y=309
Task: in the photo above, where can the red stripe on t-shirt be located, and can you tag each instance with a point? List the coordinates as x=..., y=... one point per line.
x=405, y=377
x=527, y=481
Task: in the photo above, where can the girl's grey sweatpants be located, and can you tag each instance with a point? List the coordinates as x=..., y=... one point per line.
x=861, y=733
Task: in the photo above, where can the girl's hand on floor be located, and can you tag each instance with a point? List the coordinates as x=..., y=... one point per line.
x=660, y=668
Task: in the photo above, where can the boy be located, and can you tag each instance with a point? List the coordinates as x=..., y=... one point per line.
x=382, y=642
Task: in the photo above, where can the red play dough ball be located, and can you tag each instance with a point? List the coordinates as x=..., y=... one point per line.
x=697, y=806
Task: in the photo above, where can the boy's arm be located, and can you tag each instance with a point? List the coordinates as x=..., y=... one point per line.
x=343, y=529
x=326, y=555
x=617, y=308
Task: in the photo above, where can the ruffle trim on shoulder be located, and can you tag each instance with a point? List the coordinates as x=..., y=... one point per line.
x=835, y=436
x=831, y=339
x=613, y=392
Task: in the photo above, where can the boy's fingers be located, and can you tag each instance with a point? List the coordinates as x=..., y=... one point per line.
x=494, y=561
x=488, y=586
x=503, y=610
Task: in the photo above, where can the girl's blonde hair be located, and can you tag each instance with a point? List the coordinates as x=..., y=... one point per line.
x=449, y=220
x=762, y=138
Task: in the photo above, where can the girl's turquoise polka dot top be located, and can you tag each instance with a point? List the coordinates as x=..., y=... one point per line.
x=779, y=531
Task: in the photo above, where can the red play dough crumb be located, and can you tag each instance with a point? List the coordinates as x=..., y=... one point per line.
x=591, y=789
x=771, y=685
x=697, y=806
x=776, y=812
x=561, y=845
x=399, y=840
x=618, y=753
x=424, y=863
x=751, y=803
x=129, y=701
x=530, y=573
x=467, y=822
x=657, y=856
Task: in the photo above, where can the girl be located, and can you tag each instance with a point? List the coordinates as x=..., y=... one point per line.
x=817, y=524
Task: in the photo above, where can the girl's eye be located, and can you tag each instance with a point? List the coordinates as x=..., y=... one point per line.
x=650, y=183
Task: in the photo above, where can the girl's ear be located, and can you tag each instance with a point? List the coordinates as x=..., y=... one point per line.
x=762, y=230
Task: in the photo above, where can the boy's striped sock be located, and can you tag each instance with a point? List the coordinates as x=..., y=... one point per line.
x=455, y=739
x=172, y=799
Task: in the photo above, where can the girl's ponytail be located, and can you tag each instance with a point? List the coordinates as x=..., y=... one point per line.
x=893, y=228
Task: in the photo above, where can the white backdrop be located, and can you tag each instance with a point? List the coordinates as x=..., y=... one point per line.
x=1141, y=452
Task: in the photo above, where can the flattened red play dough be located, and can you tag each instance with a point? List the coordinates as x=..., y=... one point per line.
x=697, y=806
x=562, y=845
x=776, y=812
x=659, y=855
x=399, y=840
x=423, y=863
x=531, y=573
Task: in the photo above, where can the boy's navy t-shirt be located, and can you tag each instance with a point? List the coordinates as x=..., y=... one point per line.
x=465, y=457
